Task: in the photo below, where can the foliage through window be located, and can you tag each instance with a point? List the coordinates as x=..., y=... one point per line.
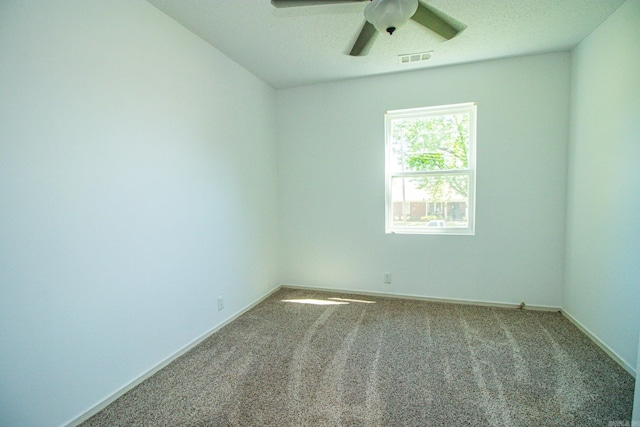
x=430, y=170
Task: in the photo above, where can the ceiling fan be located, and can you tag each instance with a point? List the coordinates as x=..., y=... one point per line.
x=386, y=16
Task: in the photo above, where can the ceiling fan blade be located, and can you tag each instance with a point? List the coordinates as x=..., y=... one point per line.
x=365, y=40
x=432, y=19
x=294, y=3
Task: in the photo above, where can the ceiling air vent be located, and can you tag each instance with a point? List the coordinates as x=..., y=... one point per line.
x=414, y=57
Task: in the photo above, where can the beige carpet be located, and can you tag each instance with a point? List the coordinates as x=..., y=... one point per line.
x=372, y=361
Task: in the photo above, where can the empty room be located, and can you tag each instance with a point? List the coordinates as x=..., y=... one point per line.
x=290, y=212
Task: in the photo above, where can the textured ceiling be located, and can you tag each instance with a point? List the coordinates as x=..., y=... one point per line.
x=289, y=47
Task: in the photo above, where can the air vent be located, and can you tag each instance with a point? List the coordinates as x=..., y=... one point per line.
x=414, y=57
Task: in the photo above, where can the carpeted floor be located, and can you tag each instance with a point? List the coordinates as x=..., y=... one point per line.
x=374, y=361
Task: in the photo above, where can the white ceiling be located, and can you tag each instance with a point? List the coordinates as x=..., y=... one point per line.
x=289, y=47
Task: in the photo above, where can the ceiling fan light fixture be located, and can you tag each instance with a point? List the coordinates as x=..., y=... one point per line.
x=389, y=15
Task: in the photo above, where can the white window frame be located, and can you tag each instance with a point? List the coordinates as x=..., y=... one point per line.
x=390, y=116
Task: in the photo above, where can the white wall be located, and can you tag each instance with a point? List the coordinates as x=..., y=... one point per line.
x=602, y=285
x=331, y=156
x=137, y=183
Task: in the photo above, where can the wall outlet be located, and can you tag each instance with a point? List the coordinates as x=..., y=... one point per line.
x=220, y=303
x=387, y=278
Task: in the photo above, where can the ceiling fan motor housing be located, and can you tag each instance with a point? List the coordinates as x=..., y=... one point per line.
x=389, y=15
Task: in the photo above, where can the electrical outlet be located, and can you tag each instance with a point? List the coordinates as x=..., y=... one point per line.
x=387, y=278
x=220, y=303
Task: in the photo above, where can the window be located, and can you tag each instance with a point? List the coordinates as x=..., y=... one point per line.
x=430, y=170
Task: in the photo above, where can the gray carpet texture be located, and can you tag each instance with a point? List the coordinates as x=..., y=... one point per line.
x=310, y=358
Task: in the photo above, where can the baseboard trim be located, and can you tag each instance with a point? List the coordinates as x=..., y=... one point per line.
x=612, y=354
x=120, y=392
x=423, y=298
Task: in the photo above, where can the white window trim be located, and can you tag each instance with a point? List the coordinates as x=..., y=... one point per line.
x=471, y=108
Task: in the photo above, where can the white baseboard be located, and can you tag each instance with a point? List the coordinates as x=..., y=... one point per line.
x=601, y=344
x=430, y=299
x=119, y=393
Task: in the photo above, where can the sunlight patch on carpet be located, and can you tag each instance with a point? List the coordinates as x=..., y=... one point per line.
x=353, y=300
x=315, y=301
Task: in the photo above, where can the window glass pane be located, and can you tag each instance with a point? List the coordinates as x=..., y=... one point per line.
x=430, y=143
x=430, y=201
